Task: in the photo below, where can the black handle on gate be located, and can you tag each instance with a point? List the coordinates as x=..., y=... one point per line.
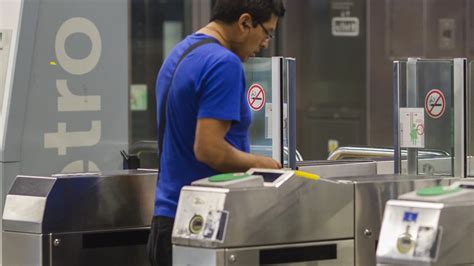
x=130, y=161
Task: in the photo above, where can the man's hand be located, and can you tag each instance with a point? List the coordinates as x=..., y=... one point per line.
x=266, y=162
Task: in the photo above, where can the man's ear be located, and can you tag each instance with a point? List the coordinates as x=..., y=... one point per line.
x=245, y=21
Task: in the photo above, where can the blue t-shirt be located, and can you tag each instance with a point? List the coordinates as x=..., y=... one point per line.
x=208, y=83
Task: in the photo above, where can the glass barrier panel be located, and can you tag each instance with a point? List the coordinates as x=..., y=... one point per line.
x=435, y=94
x=285, y=112
x=470, y=121
x=426, y=116
x=258, y=74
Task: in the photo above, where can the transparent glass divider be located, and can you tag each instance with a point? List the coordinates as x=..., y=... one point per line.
x=276, y=109
x=460, y=108
x=470, y=120
x=412, y=102
x=271, y=97
x=264, y=97
x=429, y=116
x=289, y=120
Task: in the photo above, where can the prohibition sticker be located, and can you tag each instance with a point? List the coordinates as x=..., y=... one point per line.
x=412, y=128
x=420, y=129
x=256, y=97
x=435, y=103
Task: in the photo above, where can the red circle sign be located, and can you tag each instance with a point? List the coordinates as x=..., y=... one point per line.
x=420, y=129
x=256, y=97
x=435, y=103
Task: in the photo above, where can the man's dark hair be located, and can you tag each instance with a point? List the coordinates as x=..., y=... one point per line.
x=229, y=11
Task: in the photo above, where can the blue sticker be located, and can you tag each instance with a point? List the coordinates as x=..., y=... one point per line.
x=410, y=216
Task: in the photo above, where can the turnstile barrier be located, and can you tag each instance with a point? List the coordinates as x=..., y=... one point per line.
x=430, y=227
x=82, y=219
x=335, y=220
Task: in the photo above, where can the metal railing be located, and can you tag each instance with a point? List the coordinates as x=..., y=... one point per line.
x=378, y=153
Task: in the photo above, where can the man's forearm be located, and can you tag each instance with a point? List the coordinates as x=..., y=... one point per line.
x=223, y=157
x=211, y=148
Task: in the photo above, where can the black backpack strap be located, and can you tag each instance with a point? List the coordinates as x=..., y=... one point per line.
x=161, y=127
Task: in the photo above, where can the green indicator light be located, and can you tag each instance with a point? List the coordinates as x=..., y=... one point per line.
x=436, y=191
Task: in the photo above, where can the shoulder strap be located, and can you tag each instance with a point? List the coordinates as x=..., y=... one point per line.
x=161, y=126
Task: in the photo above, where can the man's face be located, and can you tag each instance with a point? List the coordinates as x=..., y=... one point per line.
x=258, y=38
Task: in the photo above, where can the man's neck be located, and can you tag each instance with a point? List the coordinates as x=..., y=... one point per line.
x=219, y=32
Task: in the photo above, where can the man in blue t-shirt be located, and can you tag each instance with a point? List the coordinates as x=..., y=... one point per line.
x=201, y=97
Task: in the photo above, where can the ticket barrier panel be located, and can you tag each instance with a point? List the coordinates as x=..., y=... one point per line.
x=276, y=217
x=431, y=226
x=85, y=219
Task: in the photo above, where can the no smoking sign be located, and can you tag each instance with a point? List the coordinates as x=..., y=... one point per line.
x=256, y=97
x=435, y=103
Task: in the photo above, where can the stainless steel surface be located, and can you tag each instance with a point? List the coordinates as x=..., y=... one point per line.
x=386, y=168
x=460, y=108
x=368, y=233
x=198, y=256
x=344, y=251
x=371, y=194
x=80, y=203
x=123, y=247
x=267, y=211
x=24, y=249
x=232, y=258
x=294, y=210
x=119, y=247
x=254, y=256
x=327, y=169
x=79, y=219
x=435, y=230
x=23, y=209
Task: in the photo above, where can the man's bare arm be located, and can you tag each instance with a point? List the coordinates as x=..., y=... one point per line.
x=211, y=148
